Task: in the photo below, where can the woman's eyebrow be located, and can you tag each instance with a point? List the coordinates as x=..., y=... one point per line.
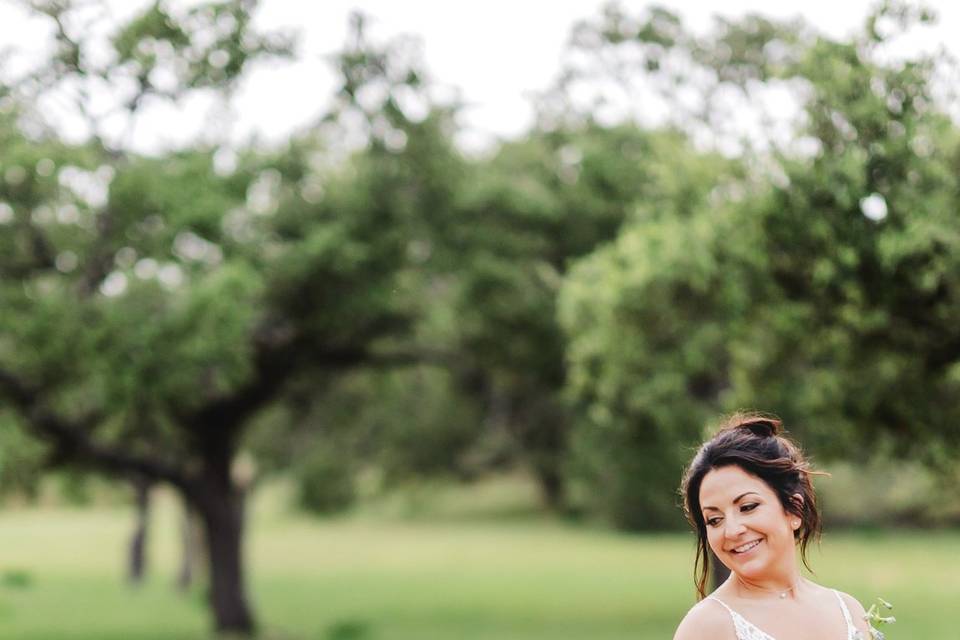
x=735, y=500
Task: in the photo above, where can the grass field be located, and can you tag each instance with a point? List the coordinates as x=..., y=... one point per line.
x=478, y=567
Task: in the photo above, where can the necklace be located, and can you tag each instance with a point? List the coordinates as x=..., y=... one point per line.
x=780, y=594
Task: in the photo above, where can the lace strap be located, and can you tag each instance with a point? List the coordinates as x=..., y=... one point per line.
x=851, y=628
x=746, y=630
x=725, y=605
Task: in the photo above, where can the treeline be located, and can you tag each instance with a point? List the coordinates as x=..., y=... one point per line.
x=583, y=301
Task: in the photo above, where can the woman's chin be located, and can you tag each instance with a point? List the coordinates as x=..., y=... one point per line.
x=749, y=567
x=751, y=570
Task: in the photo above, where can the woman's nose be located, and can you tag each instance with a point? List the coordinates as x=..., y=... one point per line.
x=733, y=527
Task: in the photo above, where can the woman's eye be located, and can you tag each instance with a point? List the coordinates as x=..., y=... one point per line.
x=748, y=507
x=713, y=522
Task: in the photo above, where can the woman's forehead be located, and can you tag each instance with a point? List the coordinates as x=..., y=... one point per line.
x=724, y=485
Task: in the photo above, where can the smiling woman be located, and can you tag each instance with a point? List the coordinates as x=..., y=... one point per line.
x=747, y=494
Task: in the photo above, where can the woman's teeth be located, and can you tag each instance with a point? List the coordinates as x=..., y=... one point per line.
x=746, y=547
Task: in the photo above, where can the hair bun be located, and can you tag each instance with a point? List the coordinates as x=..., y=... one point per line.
x=758, y=425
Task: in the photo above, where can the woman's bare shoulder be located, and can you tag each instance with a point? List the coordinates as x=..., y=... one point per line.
x=706, y=620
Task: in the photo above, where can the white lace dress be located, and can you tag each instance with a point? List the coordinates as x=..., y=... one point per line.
x=746, y=630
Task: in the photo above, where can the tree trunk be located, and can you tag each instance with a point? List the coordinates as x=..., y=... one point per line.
x=192, y=548
x=552, y=487
x=220, y=506
x=138, y=542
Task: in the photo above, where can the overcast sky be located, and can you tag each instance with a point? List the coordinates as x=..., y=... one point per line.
x=497, y=52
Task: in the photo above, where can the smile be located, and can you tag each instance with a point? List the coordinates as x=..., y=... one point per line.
x=745, y=548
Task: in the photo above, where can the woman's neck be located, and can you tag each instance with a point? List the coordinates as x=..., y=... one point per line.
x=783, y=585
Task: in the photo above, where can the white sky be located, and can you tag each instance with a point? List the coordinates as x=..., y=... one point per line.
x=497, y=52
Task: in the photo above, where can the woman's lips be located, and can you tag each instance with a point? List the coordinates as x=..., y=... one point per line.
x=751, y=547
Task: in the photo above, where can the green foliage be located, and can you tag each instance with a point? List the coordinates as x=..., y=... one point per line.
x=325, y=482
x=651, y=321
x=827, y=293
x=153, y=288
x=533, y=209
x=207, y=46
x=420, y=425
x=886, y=492
x=371, y=431
x=21, y=458
x=858, y=243
x=74, y=488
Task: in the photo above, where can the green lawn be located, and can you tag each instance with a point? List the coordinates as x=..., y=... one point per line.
x=378, y=576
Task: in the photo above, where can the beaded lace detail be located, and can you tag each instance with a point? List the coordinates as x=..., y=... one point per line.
x=746, y=630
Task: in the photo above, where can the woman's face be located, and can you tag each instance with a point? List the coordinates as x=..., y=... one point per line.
x=747, y=527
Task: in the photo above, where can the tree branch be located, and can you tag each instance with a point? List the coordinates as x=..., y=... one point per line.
x=280, y=354
x=274, y=365
x=72, y=441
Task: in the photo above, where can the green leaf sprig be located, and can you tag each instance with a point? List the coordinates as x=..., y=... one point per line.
x=873, y=615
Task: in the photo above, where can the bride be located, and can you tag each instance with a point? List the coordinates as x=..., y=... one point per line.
x=747, y=493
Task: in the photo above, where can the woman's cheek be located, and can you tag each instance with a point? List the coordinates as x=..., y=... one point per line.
x=713, y=539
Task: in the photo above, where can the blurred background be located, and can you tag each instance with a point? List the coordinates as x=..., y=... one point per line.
x=384, y=321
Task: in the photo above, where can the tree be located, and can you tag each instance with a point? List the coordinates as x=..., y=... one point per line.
x=153, y=306
x=650, y=320
x=819, y=287
x=871, y=285
x=537, y=206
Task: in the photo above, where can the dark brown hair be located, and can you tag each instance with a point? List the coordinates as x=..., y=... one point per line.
x=755, y=443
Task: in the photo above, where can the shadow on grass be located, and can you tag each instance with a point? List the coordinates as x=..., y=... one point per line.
x=348, y=630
